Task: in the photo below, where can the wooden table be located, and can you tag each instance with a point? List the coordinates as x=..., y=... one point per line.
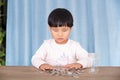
x=31, y=73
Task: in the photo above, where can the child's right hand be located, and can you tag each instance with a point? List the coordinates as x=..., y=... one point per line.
x=46, y=67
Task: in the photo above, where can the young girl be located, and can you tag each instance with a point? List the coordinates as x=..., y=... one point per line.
x=60, y=51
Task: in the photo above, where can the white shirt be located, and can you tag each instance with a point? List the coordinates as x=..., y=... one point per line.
x=59, y=55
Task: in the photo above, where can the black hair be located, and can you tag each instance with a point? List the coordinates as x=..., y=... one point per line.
x=60, y=17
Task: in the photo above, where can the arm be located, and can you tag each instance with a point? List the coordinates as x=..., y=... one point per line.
x=82, y=57
x=39, y=57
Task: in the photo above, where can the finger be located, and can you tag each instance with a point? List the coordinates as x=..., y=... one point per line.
x=68, y=65
x=43, y=69
x=49, y=68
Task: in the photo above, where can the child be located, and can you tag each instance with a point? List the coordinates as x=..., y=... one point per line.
x=60, y=51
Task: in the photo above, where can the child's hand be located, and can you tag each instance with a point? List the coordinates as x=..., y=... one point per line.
x=45, y=67
x=74, y=65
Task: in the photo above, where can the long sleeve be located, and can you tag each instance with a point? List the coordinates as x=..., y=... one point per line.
x=82, y=57
x=39, y=57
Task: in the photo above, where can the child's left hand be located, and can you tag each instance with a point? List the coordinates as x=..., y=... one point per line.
x=74, y=65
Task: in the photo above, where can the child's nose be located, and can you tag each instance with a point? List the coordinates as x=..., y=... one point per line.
x=60, y=33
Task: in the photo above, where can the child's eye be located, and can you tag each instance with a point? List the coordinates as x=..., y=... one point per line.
x=55, y=30
x=64, y=30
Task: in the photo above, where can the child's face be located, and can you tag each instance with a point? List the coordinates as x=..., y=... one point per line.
x=60, y=34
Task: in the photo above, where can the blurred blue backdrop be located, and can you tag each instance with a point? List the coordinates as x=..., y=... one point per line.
x=96, y=28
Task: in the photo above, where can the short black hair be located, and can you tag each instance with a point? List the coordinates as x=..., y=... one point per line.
x=60, y=17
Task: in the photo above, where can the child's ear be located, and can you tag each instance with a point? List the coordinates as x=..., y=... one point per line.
x=49, y=27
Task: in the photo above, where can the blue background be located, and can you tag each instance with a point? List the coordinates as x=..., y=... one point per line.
x=96, y=28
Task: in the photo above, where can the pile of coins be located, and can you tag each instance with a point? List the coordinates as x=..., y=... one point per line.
x=60, y=71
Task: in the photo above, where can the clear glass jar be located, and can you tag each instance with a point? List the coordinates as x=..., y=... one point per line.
x=94, y=60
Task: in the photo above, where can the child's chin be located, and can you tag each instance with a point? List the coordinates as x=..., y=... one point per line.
x=61, y=42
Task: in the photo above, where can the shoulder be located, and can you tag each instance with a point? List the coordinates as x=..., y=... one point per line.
x=49, y=41
x=74, y=45
x=46, y=43
x=72, y=42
